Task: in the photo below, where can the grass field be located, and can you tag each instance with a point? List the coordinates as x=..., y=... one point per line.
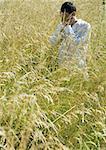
x=43, y=106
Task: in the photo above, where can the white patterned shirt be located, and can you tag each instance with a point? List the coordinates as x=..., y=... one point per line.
x=73, y=42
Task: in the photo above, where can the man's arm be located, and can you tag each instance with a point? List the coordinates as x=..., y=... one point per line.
x=57, y=35
x=82, y=37
x=81, y=41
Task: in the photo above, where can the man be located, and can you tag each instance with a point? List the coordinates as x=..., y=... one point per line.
x=73, y=35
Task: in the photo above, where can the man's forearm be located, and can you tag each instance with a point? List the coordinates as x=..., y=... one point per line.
x=56, y=36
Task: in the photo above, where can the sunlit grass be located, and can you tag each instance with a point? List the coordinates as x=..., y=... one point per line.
x=43, y=106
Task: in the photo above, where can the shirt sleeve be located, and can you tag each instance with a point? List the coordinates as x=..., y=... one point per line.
x=83, y=35
x=81, y=41
x=57, y=35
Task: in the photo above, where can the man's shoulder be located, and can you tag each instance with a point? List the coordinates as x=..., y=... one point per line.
x=84, y=24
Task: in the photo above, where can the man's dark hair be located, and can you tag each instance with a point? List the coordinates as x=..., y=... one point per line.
x=68, y=7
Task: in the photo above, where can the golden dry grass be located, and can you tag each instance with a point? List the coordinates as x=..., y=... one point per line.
x=42, y=106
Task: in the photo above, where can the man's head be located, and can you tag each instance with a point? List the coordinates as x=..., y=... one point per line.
x=67, y=10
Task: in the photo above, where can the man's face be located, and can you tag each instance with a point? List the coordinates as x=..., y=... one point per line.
x=66, y=16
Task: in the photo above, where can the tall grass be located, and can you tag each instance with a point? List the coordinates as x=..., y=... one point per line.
x=43, y=106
